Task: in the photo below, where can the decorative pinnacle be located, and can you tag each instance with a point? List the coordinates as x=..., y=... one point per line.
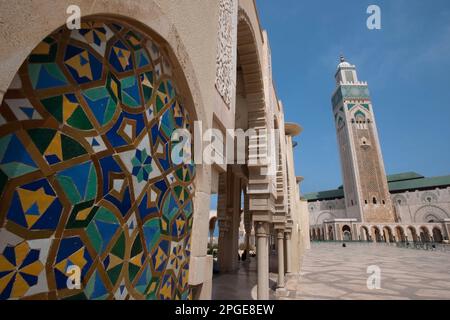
x=342, y=58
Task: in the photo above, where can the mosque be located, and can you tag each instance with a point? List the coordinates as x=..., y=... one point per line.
x=371, y=206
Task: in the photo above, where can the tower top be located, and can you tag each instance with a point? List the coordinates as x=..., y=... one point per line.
x=343, y=63
x=345, y=73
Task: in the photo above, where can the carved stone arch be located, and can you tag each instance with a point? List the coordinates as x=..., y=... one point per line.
x=431, y=218
x=249, y=59
x=324, y=216
x=261, y=190
x=359, y=114
x=430, y=210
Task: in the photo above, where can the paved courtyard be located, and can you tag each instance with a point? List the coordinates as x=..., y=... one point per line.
x=240, y=285
x=331, y=271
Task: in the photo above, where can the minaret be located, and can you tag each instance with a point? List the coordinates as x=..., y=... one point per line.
x=365, y=186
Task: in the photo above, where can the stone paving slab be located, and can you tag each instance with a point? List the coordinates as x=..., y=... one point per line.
x=330, y=271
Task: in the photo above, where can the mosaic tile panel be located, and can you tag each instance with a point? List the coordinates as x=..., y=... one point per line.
x=86, y=178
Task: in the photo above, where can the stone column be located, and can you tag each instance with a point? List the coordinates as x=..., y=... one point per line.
x=247, y=223
x=280, y=244
x=262, y=254
x=354, y=232
x=287, y=239
x=228, y=213
x=224, y=223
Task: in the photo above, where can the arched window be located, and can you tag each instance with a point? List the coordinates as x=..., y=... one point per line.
x=360, y=116
x=374, y=200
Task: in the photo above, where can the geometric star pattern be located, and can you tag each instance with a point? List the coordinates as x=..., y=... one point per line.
x=20, y=267
x=87, y=183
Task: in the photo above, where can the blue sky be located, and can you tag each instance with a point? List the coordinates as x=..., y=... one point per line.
x=406, y=64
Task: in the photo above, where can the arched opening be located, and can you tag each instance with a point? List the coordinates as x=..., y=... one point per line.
x=249, y=116
x=424, y=235
x=387, y=234
x=400, y=234
x=437, y=235
x=412, y=234
x=314, y=235
x=319, y=234
x=376, y=234
x=87, y=125
x=365, y=236
x=330, y=233
x=346, y=233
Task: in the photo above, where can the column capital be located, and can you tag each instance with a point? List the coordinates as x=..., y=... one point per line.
x=262, y=229
x=287, y=235
x=280, y=234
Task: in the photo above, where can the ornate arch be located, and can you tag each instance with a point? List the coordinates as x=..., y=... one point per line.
x=259, y=117
x=430, y=210
x=88, y=179
x=322, y=217
x=249, y=58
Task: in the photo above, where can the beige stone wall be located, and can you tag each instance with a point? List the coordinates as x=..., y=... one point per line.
x=319, y=211
x=410, y=207
x=422, y=206
x=304, y=239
